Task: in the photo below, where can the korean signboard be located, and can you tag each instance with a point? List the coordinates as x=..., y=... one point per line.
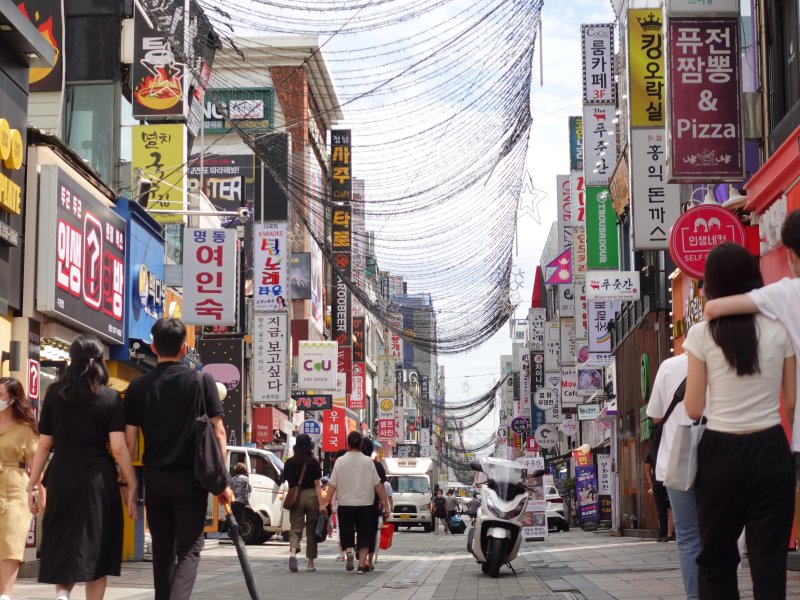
x=598, y=64
x=564, y=212
x=552, y=346
x=159, y=154
x=613, y=285
x=703, y=6
x=577, y=195
x=334, y=430
x=646, y=68
x=604, y=486
x=525, y=382
x=223, y=359
x=312, y=402
x=581, y=308
x=566, y=301
x=602, y=242
x=159, y=79
x=599, y=147
x=655, y=204
x=600, y=313
x=537, y=382
x=250, y=109
x=81, y=263
x=705, y=114
x=317, y=365
x=270, y=258
x=209, y=276
x=588, y=412
x=341, y=228
x=575, y=144
x=537, y=318
x=548, y=400
x=568, y=342
x=586, y=492
x=270, y=357
x=229, y=181
x=386, y=376
x=358, y=395
x=697, y=232
x=395, y=341
x=569, y=387
x=359, y=332
x=48, y=18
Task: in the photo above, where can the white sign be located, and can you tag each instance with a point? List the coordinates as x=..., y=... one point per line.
x=566, y=301
x=569, y=427
x=525, y=383
x=537, y=317
x=270, y=257
x=386, y=378
x=613, y=285
x=568, y=342
x=546, y=436
x=588, y=412
x=425, y=436
x=604, y=474
x=317, y=363
x=552, y=346
x=569, y=387
x=705, y=7
x=209, y=276
x=564, y=212
x=598, y=65
x=599, y=145
x=600, y=314
x=546, y=398
x=270, y=357
x=655, y=204
x=581, y=308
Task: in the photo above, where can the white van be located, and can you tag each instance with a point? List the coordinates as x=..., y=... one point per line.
x=265, y=516
x=411, y=488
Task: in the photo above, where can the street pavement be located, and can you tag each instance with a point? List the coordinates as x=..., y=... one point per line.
x=420, y=566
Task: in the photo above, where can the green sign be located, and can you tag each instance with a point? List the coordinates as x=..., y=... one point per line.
x=602, y=243
x=251, y=109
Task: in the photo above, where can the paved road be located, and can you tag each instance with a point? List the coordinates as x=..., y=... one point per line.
x=571, y=566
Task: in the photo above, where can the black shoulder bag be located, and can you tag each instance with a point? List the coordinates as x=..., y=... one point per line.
x=658, y=429
x=209, y=464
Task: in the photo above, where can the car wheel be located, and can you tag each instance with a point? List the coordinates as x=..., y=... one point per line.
x=251, y=528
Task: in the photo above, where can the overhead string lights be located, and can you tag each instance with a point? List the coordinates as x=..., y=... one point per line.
x=437, y=95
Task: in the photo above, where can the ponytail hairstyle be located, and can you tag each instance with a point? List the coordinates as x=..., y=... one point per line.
x=86, y=374
x=23, y=411
x=732, y=270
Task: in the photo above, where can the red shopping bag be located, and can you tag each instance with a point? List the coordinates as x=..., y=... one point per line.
x=387, y=533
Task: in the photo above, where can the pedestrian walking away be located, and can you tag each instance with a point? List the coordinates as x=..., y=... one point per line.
x=666, y=408
x=472, y=508
x=745, y=475
x=80, y=420
x=355, y=482
x=18, y=438
x=439, y=511
x=368, y=448
x=164, y=404
x=240, y=484
x=303, y=469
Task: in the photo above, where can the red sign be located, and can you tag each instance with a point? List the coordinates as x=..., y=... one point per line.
x=358, y=397
x=705, y=118
x=261, y=426
x=531, y=445
x=334, y=430
x=386, y=429
x=33, y=379
x=697, y=231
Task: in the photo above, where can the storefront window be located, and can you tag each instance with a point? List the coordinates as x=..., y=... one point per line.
x=90, y=127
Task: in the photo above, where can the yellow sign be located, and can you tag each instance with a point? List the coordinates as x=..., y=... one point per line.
x=646, y=67
x=159, y=154
x=11, y=153
x=387, y=404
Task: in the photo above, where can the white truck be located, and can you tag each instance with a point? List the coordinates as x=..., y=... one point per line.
x=411, y=485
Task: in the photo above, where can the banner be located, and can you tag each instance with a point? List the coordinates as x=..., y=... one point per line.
x=334, y=430
x=598, y=64
x=158, y=155
x=317, y=365
x=575, y=144
x=613, y=285
x=270, y=259
x=223, y=359
x=599, y=147
x=604, y=483
x=270, y=357
x=646, y=68
x=705, y=113
x=602, y=242
x=655, y=204
x=209, y=276
x=586, y=492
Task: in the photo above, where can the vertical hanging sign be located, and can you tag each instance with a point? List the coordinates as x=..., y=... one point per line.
x=602, y=244
x=598, y=64
x=599, y=148
x=341, y=241
x=270, y=259
x=646, y=68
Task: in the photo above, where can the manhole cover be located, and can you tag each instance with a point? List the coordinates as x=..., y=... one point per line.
x=400, y=585
x=554, y=596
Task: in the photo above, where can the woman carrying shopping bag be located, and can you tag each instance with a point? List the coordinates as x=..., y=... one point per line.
x=745, y=472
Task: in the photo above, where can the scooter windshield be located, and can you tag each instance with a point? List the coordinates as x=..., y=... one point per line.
x=505, y=479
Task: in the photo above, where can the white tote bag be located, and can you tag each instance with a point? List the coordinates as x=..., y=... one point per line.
x=682, y=465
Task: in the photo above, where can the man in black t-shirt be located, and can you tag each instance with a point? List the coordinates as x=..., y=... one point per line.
x=164, y=404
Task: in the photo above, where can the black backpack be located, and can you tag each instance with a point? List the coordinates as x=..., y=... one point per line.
x=658, y=429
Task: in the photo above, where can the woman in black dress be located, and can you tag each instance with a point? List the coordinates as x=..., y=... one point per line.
x=81, y=419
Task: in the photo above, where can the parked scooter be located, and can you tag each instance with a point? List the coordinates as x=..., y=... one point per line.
x=496, y=537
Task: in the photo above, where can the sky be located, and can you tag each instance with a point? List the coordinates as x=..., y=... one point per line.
x=470, y=374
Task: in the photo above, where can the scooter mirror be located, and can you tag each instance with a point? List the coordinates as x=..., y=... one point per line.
x=476, y=466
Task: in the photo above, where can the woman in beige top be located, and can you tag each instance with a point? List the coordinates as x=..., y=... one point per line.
x=18, y=439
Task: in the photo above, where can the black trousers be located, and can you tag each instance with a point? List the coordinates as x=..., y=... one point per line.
x=358, y=526
x=662, y=504
x=744, y=481
x=176, y=514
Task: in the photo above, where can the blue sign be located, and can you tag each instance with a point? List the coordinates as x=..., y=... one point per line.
x=144, y=276
x=311, y=428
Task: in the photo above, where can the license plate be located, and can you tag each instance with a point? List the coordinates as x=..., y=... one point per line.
x=405, y=516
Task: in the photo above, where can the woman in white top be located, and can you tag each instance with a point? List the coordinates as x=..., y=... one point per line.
x=745, y=476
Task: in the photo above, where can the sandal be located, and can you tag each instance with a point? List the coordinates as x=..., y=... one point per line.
x=293, y=563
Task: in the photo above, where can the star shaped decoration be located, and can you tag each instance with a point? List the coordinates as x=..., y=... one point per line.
x=530, y=198
x=517, y=279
